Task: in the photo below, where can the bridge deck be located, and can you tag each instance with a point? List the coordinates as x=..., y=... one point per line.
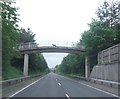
x=47, y=49
x=31, y=47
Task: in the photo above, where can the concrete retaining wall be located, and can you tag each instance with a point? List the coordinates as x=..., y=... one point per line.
x=106, y=72
x=108, y=67
x=109, y=55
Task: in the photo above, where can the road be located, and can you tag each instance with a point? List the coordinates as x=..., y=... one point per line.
x=53, y=85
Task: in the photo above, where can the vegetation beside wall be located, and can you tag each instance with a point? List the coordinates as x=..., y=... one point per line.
x=104, y=31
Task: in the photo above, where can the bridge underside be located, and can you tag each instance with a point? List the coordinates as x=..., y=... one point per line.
x=52, y=49
x=26, y=50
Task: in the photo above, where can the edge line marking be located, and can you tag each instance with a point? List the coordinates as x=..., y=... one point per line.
x=94, y=88
x=25, y=87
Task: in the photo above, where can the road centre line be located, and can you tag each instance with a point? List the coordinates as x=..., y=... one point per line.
x=67, y=96
x=25, y=87
x=59, y=84
x=66, y=89
x=93, y=87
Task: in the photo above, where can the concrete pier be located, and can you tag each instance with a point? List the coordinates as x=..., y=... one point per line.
x=26, y=58
x=87, y=68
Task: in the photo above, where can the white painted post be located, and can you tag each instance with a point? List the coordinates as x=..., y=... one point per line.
x=119, y=52
x=98, y=58
x=102, y=56
x=26, y=64
x=109, y=56
x=87, y=68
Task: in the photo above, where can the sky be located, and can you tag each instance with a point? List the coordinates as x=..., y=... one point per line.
x=57, y=20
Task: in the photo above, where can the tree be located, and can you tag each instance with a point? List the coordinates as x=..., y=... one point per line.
x=109, y=13
x=12, y=62
x=10, y=33
x=26, y=36
x=117, y=30
x=72, y=64
x=103, y=33
x=37, y=62
x=97, y=38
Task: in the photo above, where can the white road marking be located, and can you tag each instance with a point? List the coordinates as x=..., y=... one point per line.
x=25, y=87
x=94, y=87
x=99, y=89
x=67, y=96
x=59, y=84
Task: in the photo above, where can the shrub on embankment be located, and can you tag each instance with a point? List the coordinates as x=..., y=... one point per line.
x=12, y=61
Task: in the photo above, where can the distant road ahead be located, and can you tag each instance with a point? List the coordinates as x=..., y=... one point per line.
x=53, y=85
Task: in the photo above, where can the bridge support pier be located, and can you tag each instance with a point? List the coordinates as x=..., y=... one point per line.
x=26, y=58
x=87, y=68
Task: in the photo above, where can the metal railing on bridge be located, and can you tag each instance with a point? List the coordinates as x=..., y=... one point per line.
x=32, y=45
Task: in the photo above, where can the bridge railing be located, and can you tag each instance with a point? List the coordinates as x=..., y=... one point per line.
x=27, y=45
x=57, y=43
x=32, y=45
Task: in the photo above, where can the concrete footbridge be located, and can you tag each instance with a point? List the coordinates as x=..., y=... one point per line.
x=50, y=46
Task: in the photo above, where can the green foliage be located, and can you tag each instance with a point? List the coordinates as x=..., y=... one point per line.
x=109, y=12
x=26, y=35
x=37, y=63
x=98, y=37
x=10, y=34
x=12, y=72
x=12, y=61
x=72, y=64
x=117, y=30
x=8, y=30
x=103, y=33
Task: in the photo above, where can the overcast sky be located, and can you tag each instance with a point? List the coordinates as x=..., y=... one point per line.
x=57, y=20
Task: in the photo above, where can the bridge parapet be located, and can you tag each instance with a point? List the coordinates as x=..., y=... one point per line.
x=47, y=44
x=57, y=43
x=27, y=45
